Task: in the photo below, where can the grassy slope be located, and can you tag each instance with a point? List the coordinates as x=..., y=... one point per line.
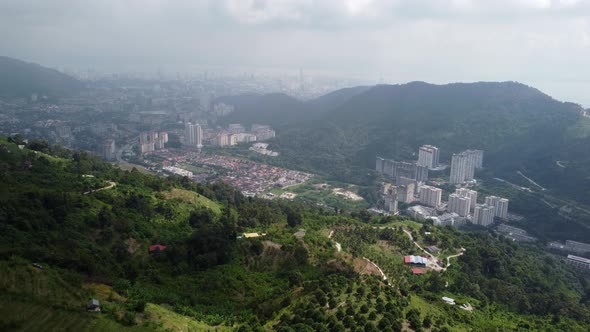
x=192, y=198
x=176, y=322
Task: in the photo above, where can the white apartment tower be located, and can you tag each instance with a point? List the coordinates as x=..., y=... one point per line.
x=428, y=156
x=483, y=215
x=459, y=204
x=193, y=135
x=465, y=192
x=500, y=206
x=430, y=196
x=459, y=164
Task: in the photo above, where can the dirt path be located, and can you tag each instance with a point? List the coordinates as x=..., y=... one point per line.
x=435, y=266
x=337, y=244
x=377, y=267
x=453, y=256
x=110, y=185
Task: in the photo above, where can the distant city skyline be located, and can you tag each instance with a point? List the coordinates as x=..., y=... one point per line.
x=541, y=43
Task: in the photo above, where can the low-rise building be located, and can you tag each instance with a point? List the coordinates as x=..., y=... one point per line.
x=579, y=263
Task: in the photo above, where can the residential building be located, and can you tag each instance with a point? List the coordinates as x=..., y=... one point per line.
x=160, y=139
x=428, y=156
x=147, y=141
x=390, y=200
x=398, y=169
x=477, y=156
x=579, y=263
x=379, y=163
x=459, y=204
x=500, y=206
x=483, y=215
x=458, y=168
x=430, y=196
x=405, y=193
x=222, y=138
x=108, y=149
x=466, y=192
x=263, y=132
x=463, y=165
x=193, y=135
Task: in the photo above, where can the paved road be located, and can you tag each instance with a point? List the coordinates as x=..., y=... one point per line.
x=530, y=180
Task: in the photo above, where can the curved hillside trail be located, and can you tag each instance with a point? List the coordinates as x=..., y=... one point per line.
x=337, y=244
x=339, y=248
x=110, y=185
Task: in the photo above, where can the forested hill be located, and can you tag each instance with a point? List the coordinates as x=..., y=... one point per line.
x=73, y=228
x=276, y=109
x=514, y=124
x=21, y=79
x=282, y=111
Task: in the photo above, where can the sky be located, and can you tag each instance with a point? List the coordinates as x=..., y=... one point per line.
x=542, y=43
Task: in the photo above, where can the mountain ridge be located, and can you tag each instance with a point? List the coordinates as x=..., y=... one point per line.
x=22, y=79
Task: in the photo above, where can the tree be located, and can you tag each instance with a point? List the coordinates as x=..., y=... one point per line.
x=294, y=217
x=413, y=317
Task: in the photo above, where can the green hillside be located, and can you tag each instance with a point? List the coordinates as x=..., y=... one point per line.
x=94, y=244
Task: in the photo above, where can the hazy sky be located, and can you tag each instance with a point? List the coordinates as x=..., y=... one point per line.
x=544, y=43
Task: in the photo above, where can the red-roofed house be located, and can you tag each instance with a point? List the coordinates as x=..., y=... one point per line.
x=157, y=247
x=408, y=259
x=417, y=271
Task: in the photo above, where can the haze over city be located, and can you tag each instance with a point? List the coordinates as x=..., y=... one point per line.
x=543, y=43
x=294, y=166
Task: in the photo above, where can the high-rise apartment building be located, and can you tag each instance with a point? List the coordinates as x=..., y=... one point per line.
x=465, y=192
x=483, y=214
x=405, y=193
x=390, y=200
x=430, y=196
x=458, y=168
x=500, y=206
x=477, y=156
x=463, y=165
x=428, y=156
x=193, y=135
x=147, y=141
x=459, y=204
x=397, y=169
x=108, y=149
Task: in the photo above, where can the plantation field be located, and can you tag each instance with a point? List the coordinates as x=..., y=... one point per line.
x=170, y=320
x=192, y=198
x=30, y=316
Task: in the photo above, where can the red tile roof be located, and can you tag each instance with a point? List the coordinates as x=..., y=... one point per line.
x=417, y=271
x=157, y=247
